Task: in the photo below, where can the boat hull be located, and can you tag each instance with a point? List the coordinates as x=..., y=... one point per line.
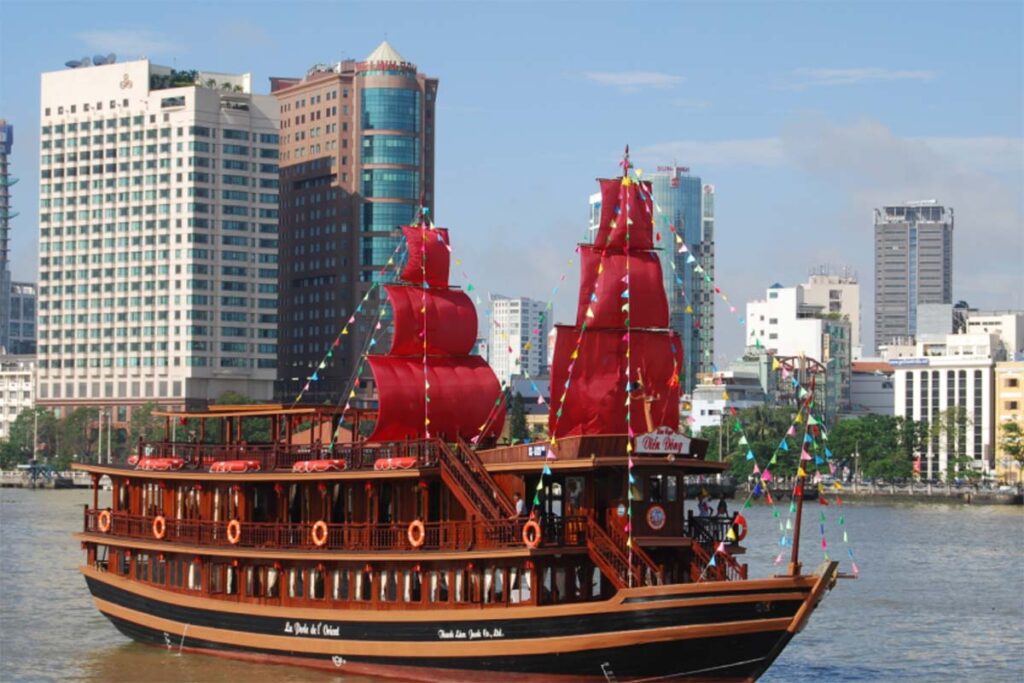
x=725, y=631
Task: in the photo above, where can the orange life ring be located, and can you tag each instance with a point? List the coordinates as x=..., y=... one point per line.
x=739, y=525
x=417, y=533
x=531, y=534
x=104, y=521
x=234, y=531
x=318, y=534
x=159, y=527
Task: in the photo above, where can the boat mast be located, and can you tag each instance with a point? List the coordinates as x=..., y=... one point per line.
x=798, y=491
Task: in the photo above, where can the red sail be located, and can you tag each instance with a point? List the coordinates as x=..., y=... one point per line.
x=595, y=400
x=603, y=294
x=464, y=394
x=432, y=243
x=450, y=317
x=625, y=208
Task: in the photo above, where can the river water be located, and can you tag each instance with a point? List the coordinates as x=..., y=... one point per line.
x=940, y=598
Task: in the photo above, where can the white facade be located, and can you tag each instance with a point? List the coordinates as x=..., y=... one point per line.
x=17, y=389
x=725, y=389
x=836, y=294
x=948, y=371
x=1007, y=325
x=157, y=238
x=518, y=341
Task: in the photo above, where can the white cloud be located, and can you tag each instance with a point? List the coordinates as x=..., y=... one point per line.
x=632, y=81
x=814, y=77
x=129, y=42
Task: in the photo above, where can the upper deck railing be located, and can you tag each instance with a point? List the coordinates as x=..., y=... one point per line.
x=350, y=536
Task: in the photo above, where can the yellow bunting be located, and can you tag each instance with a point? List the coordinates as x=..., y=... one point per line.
x=730, y=534
x=776, y=364
x=801, y=472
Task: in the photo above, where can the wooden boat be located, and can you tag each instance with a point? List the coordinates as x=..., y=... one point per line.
x=427, y=551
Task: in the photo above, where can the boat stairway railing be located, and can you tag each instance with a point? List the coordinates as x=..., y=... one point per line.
x=652, y=572
x=476, y=497
x=610, y=558
x=355, y=536
x=484, y=480
x=708, y=533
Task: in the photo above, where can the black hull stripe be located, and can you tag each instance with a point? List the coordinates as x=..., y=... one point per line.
x=420, y=631
x=740, y=656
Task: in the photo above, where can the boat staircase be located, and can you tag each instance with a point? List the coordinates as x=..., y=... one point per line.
x=705, y=546
x=612, y=556
x=464, y=474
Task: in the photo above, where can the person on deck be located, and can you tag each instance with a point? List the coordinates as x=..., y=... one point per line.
x=520, y=505
x=723, y=507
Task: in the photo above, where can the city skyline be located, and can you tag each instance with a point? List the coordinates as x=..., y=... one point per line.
x=831, y=140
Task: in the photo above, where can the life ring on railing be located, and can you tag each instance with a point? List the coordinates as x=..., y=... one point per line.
x=234, y=531
x=318, y=534
x=531, y=534
x=159, y=527
x=104, y=521
x=739, y=527
x=417, y=533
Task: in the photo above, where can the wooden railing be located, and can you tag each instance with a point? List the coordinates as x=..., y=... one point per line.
x=708, y=533
x=476, y=497
x=471, y=460
x=644, y=566
x=283, y=456
x=467, y=535
x=611, y=559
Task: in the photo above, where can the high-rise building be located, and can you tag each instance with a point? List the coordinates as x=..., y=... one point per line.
x=357, y=156
x=685, y=206
x=21, y=337
x=6, y=214
x=913, y=265
x=157, y=237
x=517, y=344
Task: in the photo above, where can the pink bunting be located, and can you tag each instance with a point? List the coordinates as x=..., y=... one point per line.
x=804, y=455
x=856, y=571
x=823, y=543
x=757, y=470
x=766, y=475
x=791, y=431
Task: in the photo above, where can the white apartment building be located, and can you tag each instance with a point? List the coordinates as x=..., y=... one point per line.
x=1008, y=325
x=157, y=237
x=518, y=340
x=787, y=325
x=838, y=295
x=17, y=389
x=721, y=390
x=947, y=371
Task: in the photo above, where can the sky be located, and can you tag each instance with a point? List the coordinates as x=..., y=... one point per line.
x=804, y=115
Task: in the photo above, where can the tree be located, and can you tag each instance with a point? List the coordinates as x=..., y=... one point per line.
x=19, y=447
x=254, y=429
x=143, y=425
x=79, y=434
x=1011, y=442
x=764, y=427
x=874, y=446
x=517, y=427
x=953, y=426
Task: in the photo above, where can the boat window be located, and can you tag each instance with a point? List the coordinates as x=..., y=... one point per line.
x=124, y=564
x=159, y=571
x=102, y=552
x=595, y=583
x=122, y=497
x=316, y=584
x=637, y=489
x=195, y=576
x=546, y=586
x=177, y=573
x=339, y=585
x=295, y=583
x=459, y=583
x=413, y=590
x=499, y=585
x=561, y=592
x=389, y=585
x=231, y=581
x=574, y=489
x=654, y=487
x=363, y=591
x=217, y=578
x=671, y=488
x=142, y=567
x=438, y=586
x=273, y=579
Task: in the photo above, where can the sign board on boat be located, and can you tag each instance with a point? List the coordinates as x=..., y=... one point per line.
x=663, y=440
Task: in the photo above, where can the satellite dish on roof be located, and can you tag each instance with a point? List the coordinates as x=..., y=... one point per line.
x=72, y=64
x=111, y=58
x=85, y=61
x=99, y=60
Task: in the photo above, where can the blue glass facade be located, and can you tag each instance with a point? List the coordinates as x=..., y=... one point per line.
x=391, y=109
x=391, y=183
x=391, y=149
x=680, y=199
